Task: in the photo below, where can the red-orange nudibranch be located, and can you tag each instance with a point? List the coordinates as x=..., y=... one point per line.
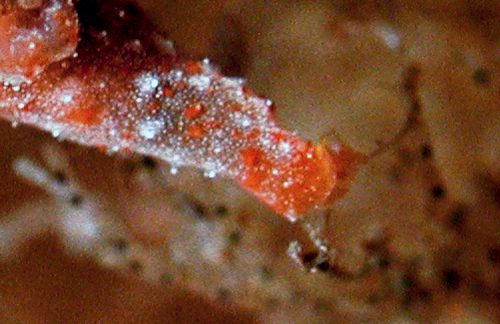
x=106, y=80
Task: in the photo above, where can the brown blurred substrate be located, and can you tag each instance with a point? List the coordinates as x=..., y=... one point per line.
x=426, y=211
x=44, y=285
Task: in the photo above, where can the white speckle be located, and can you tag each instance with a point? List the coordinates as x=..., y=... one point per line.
x=287, y=183
x=151, y=128
x=265, y=141
x=80, y=229
x=210, y=244
x=21, y=105
x=121, y=14
x=234, y=83
x=166, y=45
x=66, y=98
x=56, y=131
x=16, y=88
x=285, y=147
x=245, y=121
x=388, y=35
x=208, y=67
x=335, y=147
x=174, y=170
x=176, y=75
x=147, y=83
x=269, y=102
x=31, y=45
x=210, y=174
x=238, y=81
x=206, y=61
x=201, y=82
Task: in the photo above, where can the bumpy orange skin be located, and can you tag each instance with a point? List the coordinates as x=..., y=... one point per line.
x=31, y=39
x=291, y=187
x=121, y=91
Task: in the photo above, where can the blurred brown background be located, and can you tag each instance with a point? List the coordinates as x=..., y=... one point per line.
x=426, y=211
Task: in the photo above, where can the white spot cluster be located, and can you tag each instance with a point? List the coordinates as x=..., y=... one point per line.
x=147, y=83
x=184, y=112
x=388, y=34
x=149, y=129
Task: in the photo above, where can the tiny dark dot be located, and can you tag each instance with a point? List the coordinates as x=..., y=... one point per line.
x=451, y=279
x=120, y=244
x=494, y=255
x=405, y=156
x=135, y=266
x=308, y=258
x=457, y=218
x=148, y=163
x=384, y=262
x=166, y=278
x=375, y=244
x=323, y=266
x=425, y=152
x=496, y=195
x=481, y=76
x=407, y=286
x=321, y=305
x=223, y=294
x=407, y=283
x=438, y=192
x=266, y=273
x=424, y=294
x=298, y=296
x=199, y=209
x=221, y=210
x=60, y=177
x=234, y=237
x=76, y=200
x=272, y=303
x=195, y=207
x=373, y=299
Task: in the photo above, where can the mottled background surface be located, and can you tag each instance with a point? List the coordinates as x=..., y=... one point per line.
x=416, y=239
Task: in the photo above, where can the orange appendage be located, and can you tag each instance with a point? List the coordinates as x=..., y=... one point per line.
x=84, y=116
x=295, y=185
x=123, y=93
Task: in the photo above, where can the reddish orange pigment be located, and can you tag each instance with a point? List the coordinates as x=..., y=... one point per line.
x=118, y=90
x=30, y=40
x=193, y=68
x=168, y=92
x=84, y=116
x=294, y=191
x=251, y=157
x=194, y=112
x=196, y=131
